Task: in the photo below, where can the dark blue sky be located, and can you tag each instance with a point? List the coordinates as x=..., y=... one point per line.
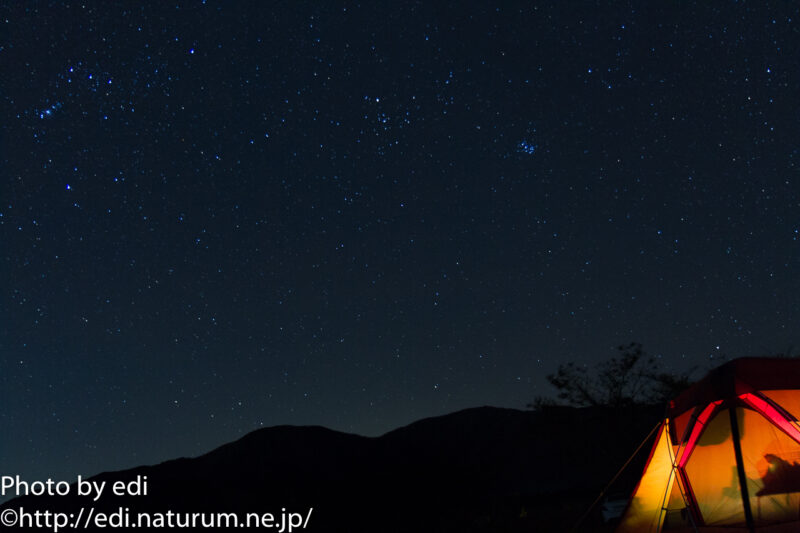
x=217, y=216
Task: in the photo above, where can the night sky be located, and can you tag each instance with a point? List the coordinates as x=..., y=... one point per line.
x=218, y=216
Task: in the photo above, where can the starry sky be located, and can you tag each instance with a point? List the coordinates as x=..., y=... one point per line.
x=217, y=216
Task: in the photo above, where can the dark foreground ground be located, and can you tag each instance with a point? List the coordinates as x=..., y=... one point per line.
x=478, y=470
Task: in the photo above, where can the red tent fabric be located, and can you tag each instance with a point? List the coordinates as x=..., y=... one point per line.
x=745, y=374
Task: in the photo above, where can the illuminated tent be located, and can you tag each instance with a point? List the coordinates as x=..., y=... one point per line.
x=727, y=456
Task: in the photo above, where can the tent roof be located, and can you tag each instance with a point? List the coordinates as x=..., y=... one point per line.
x=737, y=377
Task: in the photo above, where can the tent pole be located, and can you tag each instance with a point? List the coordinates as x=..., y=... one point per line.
x=683, y=483
x=605, y=489
x=737, y=449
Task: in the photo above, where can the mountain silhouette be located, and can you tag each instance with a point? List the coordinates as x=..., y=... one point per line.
x=481, y=469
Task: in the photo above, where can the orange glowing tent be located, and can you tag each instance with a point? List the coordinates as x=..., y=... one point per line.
x=727, y=455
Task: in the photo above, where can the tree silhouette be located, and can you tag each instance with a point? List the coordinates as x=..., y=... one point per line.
x=632, y=377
